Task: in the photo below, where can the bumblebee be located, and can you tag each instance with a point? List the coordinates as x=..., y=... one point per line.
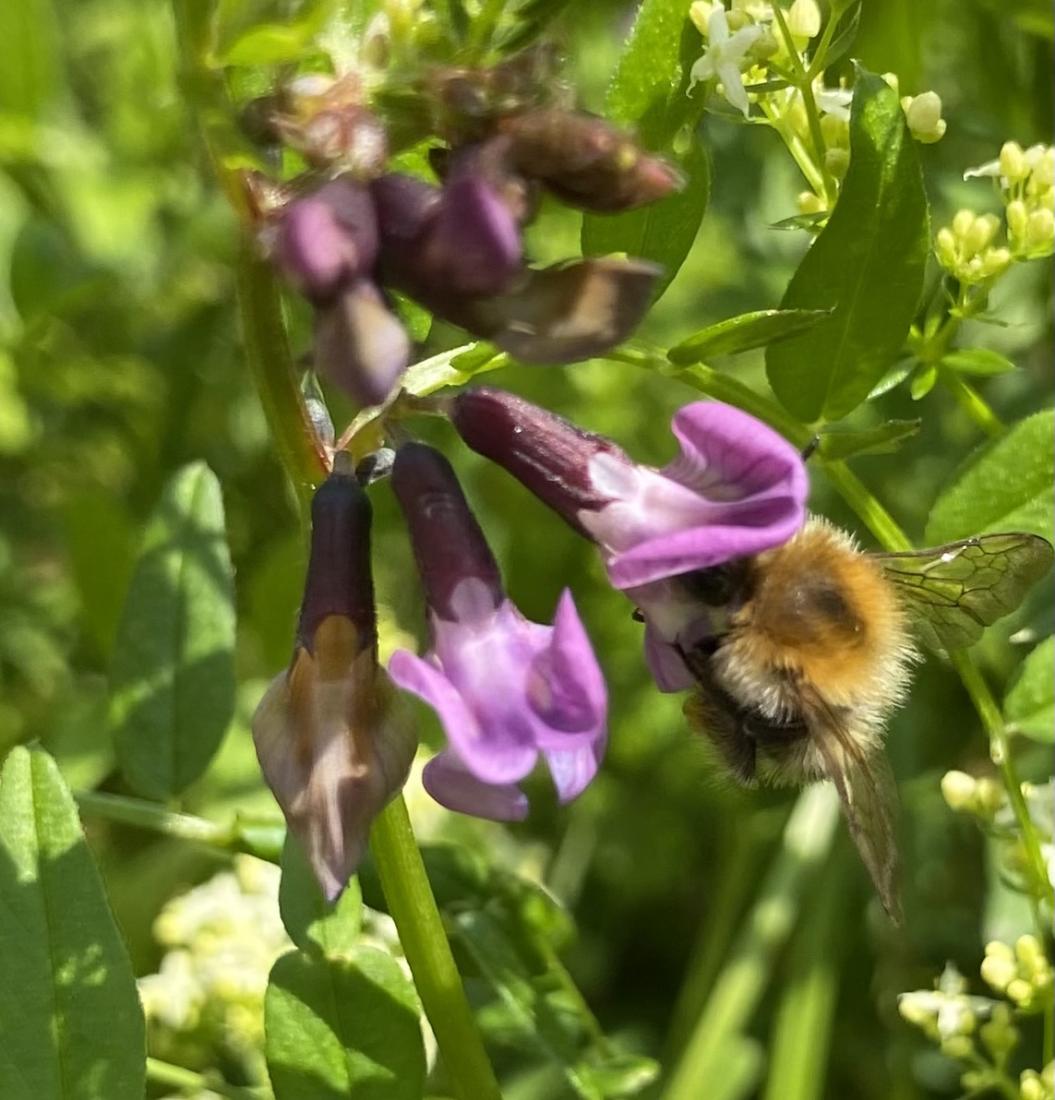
x=816, y=650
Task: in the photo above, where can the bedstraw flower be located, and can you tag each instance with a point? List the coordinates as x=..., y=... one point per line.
x=331, y=736
x=736, y=489
x=506, y=690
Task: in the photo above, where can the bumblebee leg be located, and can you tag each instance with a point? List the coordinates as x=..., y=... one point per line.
x=725, y=730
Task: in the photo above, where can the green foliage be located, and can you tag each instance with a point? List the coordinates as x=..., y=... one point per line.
x=72, y=1025
x=343, y=1027
x=866, y=266
x=648, y=93
x=173, y=672
x=314, y=925
x=744, y=333
x=880, y=440
x=1030, y=701
x=1006, y=486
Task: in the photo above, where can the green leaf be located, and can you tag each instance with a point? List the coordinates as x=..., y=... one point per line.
x=867, y=265
x=31, y=76
x=69, y=1013
x=749, y=330
x=893, y=378
x=648, y=92
x=1006, y=486
x=1029, y=705
x=621, y=1075
x=923, y=381
x=268, y=44
x=883, y=439
x=172, y=678
x=337, y=1028
x=980, y=361
x=312, y=923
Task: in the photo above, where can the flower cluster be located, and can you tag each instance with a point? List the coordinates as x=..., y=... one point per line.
x=1026, y=181
x=221, y=940
x=966, y=248
x=349, y=230
x=756, y=55
x=509, y=693
x=1023, y=975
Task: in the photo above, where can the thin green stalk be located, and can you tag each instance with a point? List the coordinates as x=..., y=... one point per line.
x=971, y=401
x=737, y=992
x=425, y=945
x=484, y=25
x=164, y=1073
x=402, y=872
x=262, y=837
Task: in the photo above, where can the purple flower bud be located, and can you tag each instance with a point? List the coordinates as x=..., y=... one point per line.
x=506, y=690
x=332, y=740
x=586, y=161
x=327, y=239
x=360, y=344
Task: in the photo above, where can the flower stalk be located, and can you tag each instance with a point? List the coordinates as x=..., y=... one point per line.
x=406, y=886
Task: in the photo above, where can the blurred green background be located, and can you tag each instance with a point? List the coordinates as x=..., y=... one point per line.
x=121, y=359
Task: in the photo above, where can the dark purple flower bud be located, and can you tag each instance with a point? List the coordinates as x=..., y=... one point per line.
x=489, y=161
x=449, y=546
x=586, y=161
x=360, y=344
x=333, y=742
x=325, y=240
x=506, y=690
x=405, y=206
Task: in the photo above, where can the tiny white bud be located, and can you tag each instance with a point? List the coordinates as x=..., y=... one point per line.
x=998, y=972
x=1044, y=170
x=1017, y=216
x=1030, y=1086
x=995, y=261
x=1020, y=991
x=809, y=203
x=1029, y=952
x=1012, y=162
x=990, y=794
x=923, y=112
x=932, y=136
x=945, y=248
x=957, y=788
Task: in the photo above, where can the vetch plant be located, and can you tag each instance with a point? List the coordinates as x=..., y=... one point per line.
x=406, y=179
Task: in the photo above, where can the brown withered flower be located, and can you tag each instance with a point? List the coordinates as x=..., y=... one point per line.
x=331, y=734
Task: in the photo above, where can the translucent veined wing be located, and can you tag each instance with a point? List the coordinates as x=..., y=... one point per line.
x=866, y=788
x=955, y=591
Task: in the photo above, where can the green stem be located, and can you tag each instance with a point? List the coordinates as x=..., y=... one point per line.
x=164, y=1073
x=820, y=54
x=1000, y=753
x=403, y=877
x=261, y=838
x=971, y=401
x=749, y=964
x=428, y=952
x=484, y=25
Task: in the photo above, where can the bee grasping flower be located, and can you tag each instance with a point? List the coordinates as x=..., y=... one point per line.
x=506, y=690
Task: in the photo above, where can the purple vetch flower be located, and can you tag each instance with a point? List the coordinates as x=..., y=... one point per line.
x=332, y=738
x=457, y=251
x=506, y=690
x=738, y=488
x=325, y=243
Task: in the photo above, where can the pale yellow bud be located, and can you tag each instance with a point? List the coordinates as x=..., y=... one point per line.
x=700, y=14
x=804, y=19
x=945, y=247
x=1013, y=162
x=1017, y=216
x=1029, y=952
x=923, y=113
x=981, y=233
x=931, y=136
x=957, y=788
x=1040, y=229
x=1020, y=991
x=836, y=131
x=998, y=972
x=962, y=222
x=836, y=161
x=994, y=261
x=959, y=1046
x=990, y=794
x=915, y=1013
x=737, y=19
x=891, y=81
x=1030, y=1086
x=1044, y=170
x=809, y=203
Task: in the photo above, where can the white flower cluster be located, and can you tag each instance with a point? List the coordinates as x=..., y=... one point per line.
x=755, y=54
x=222, y=938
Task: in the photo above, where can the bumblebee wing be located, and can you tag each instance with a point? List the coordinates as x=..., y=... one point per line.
x=954, y=592
x=866, y=789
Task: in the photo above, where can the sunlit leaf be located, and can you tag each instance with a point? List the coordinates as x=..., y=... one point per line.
x=1005, y=486
x=648, y=93
x=337, y=1028
x=1030, y=703
x=980, y=361
x=69, y=1014
x=742, y=333
x=882, y=439
x=867, y=265
x=312, y=923
x=172, y=677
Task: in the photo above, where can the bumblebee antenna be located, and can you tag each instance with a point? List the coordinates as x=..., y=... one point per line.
x=810, y=449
